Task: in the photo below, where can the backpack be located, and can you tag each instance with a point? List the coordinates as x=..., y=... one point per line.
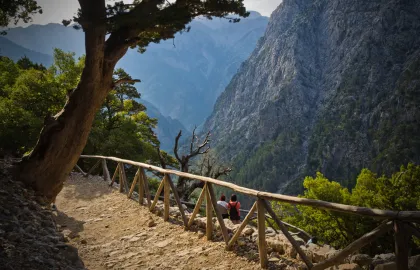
x=233, y=212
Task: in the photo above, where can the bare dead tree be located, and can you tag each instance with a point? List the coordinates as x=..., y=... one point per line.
x=207, y=166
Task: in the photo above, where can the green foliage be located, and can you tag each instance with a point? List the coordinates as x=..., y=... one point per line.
x=153, y=21
x=398, y=192
x=29, y=93
x=13, y=11
x=26, y=63
x=122, y=128
x=9, y=71
x=67, y=69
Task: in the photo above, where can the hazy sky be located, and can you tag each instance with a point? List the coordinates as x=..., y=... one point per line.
x=57, y=10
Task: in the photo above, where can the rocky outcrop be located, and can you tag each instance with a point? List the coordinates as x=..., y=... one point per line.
x=29, y=238
x=331, y=87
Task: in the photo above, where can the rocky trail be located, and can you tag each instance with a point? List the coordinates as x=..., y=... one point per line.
x=113, y=232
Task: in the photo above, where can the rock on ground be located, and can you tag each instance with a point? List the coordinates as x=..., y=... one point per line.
x=28, y=235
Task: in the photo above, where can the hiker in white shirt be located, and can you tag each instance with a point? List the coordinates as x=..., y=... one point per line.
x=222, y=206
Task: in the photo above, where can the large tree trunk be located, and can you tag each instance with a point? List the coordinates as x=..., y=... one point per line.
x=64, y=136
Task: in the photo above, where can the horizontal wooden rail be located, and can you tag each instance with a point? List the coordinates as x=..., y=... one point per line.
x=363, y=211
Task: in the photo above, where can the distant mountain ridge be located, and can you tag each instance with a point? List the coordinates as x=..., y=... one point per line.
x=183, y=77
x=331, y=87
x=16, y=52
x=44, y=38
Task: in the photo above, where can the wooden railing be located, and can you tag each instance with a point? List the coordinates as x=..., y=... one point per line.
x=398, y=221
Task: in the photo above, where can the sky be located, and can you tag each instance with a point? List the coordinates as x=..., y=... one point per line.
x=57, y=10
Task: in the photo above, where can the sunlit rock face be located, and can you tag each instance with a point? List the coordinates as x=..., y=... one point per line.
x=330, y=87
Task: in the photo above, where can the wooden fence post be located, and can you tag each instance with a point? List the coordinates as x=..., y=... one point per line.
x=133, y=185
x=80, y=169
x=218, y=215
x=105, y=171
x=287, y=234
x=197, y=206
x=124, y=177
x=121, y=177
x=177, y=200
x=141, y=186
x=166, y=193
x=146, y=187
x=114, y=177
x=158, y=192
x=92, y=169
x=262, y=245
x=401, y=245
x=209, y=215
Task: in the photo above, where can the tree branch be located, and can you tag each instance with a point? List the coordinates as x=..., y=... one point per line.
x=176, y=146
x=223, y=171
x=192, y=140
x=121, y=81
x=162, y=161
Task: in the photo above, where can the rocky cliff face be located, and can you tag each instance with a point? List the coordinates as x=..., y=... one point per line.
x=332, y=86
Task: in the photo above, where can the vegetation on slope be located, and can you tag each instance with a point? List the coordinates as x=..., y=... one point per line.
x=398, y=192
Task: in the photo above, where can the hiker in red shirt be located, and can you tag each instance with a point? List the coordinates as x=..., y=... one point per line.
x=234, y=207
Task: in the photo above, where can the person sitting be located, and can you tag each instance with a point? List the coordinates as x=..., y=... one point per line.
x=222, y=207
x=234, y=207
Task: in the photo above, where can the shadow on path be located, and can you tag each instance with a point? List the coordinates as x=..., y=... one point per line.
x=69, y=223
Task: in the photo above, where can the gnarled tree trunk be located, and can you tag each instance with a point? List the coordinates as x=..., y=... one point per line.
x=64, y=136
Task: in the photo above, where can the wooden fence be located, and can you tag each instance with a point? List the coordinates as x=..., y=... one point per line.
x=398, y=221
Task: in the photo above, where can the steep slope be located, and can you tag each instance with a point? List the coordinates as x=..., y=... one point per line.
x=331, y=86
x=15, y=52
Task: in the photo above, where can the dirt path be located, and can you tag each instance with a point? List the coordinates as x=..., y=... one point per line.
x=112, y=232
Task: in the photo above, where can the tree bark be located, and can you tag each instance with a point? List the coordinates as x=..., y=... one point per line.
x=64, y=136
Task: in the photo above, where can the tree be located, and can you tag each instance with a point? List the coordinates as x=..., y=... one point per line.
x=399, y=192
x=13, y=11
x=122, y=127
x=27, y=95
x=110, y=30
x=26, y=63
x=206, y=166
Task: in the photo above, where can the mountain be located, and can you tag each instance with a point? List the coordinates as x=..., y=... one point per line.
x=167, y=128
x=332, y=87
x=44, y=38
x=15, y=52
x=181, y=77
